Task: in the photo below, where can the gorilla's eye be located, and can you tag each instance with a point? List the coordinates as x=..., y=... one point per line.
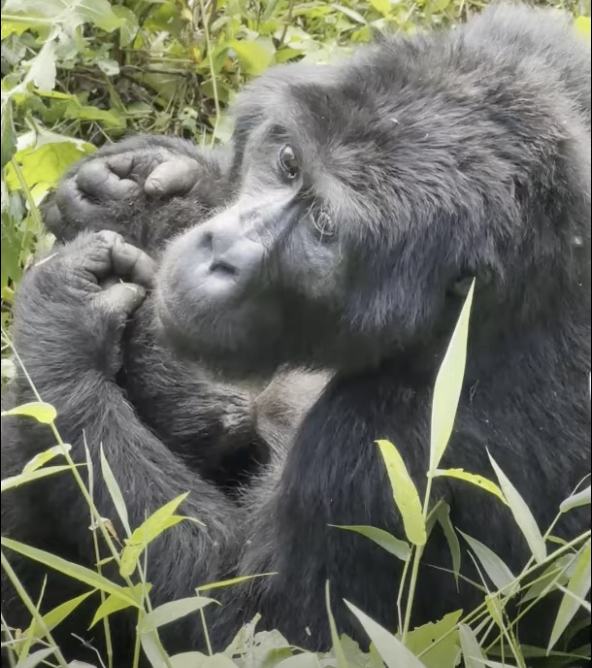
x=289, y=162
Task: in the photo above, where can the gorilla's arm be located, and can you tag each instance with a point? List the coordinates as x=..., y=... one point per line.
x=67, y=330
x=132, y=188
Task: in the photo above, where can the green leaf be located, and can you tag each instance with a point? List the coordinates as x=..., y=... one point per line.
x=74, y=571
x=99, y=13
x=576, y=501
x=42, y=68
x=115, y=492
x=163, y=519
x=582, y=25
x=387, y=541
x=300, y=661
x=25, y=478
x=252, y=56
x=129, y=28
x=579, y=585
x=337, y=647
x=449, y=385
x=392, y=651
x=382, y=6
x=37, y=658
x=445, y=653
x=441, y=514
x=187, y=660
x=44, y=457
x=522, y=515
x=8, y=145
x=232, y=582
x=42, y=412
x=501, y=576
x=56, y=616
x=405, y=494
x=171, y=612
x=351, y=14
x=472, y=653
x=113, y=604
x=477, y=480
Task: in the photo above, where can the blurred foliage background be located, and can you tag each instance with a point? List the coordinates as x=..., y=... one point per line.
x=78, y=73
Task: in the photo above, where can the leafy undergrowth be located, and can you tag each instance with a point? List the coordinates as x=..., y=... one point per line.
x=555, y=566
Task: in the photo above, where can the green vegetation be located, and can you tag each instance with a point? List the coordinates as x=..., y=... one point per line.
x=77, y=73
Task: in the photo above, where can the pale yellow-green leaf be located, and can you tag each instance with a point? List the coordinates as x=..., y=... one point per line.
x=500, y=574
x=25, y=478
x=114, y=604
x=471, y=650
x=391, y=649
x=337, y=647
x=441, y=514
x=115, y=492
x=74, y=571
x=579, y=585
x=394, y=546
x=173, y=611
x=42, y=412
x=37, y=658
x=522, y=515
x=382, y=6
x=582, y=25
x=44, y=457
x=161, y=520
x=495, y=609
x=233, y=581
x=405, y=494
x=473, y=479
x=437, y=644
x=187, y=660
x=449, y=385
x=252, y=56
x=576, y=501
x=300, y=661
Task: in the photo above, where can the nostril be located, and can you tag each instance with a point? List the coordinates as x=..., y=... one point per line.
x=206, y=240
x=223, y=268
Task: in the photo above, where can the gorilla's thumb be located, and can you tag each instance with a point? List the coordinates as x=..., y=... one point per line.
x=121, y=299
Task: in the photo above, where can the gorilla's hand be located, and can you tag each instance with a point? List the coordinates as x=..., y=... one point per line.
x=72, y=306
x=121, y=182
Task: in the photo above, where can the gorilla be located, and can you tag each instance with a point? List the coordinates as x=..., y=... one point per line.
x=362, y=199
x=123, y=188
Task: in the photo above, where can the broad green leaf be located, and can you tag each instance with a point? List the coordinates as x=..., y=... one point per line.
x=501, y=576
x=443, y=655
x=25, y=478
x=217, y=661
x=171, y=612
x=115, y=492
x=74, y=571
x=337, y=647
x=42, y=68
x=576, y=501
x=8, y=144
x=161, y=520
x=522, y=515
x=495, y=609
x=44, y=457
x=56, y=616
x=382, y=6
x=472, y=653
x=405, y=494
x=555, y=574
x=394, y=546
x=99, y=13
x=477, y=480
x=582, y=25
x=130, y=27
x=113, y=604
x=252, y=56
x=42, y=412
x=187, y=660
x=392, y=651
x=449, y=385
x=579, y=585
x=351, y=14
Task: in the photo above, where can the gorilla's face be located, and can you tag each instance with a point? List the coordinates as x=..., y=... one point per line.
x=342, y=238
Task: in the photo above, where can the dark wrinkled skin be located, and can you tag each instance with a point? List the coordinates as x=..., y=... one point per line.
x=422, y=162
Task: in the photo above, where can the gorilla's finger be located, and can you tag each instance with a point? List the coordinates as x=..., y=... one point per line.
x=121, y=164
x=121, y=299
x=96, y=180
x=72, y=205
x=175, y=176
x=131, y=262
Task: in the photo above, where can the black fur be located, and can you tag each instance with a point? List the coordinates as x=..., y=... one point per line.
x=423, y=161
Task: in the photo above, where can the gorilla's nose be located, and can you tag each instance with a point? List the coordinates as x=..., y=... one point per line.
x=228, y=251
